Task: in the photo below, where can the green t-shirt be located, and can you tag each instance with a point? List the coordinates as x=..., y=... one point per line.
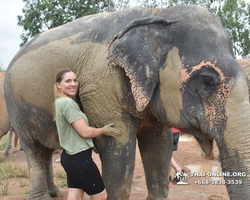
x=67, y=112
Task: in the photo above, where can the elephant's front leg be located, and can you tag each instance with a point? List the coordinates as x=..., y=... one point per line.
x=118, y=161
x=156, y=150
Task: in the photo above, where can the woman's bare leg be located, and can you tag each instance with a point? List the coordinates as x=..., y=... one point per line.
x=15, y=140
x=100, y=196
x=75, y=194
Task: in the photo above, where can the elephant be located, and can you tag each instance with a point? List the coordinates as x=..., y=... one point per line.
x=4, y=118
x=145, y=70
x=5, y=125
x=245, y=64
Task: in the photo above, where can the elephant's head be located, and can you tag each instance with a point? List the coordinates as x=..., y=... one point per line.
x=180, y=64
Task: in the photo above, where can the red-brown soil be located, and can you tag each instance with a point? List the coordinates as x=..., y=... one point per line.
x=189, y=153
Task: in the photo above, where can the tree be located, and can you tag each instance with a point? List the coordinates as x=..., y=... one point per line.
x=234, y=14
x=41, y=15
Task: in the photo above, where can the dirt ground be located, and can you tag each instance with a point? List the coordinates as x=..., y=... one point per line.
x=188, y=157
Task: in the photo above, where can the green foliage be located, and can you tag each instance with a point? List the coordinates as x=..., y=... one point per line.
x=2, y=160
x=8, y=171
x=4, y=185
x=3, y=141
x=61, y=175
x=41, y=15
x=235, y=15
x=61, y=179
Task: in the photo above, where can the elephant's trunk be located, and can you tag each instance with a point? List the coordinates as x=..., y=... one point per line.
x=235, y=145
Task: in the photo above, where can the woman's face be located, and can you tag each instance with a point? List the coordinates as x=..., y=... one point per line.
x=69, y=84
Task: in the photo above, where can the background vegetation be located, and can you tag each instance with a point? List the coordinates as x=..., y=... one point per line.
x=10, y=172
x=41, y=15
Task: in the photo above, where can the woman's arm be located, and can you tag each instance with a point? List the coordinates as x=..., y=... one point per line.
x=88, y=132
x=85, y=131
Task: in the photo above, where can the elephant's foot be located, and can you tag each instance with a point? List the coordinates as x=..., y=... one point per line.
x=53, y=191
x=156, y=198
x=44, y=194
x=39, y=196
x=211, y=157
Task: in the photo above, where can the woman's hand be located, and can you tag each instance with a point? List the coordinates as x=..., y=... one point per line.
x=110, y=131
x=89, y=132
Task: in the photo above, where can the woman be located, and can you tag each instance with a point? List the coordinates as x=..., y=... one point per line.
x=75, y=138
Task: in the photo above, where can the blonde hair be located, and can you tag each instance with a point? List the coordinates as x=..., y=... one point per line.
x=57, y=92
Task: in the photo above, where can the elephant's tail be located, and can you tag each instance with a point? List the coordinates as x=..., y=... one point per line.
x=7, y=148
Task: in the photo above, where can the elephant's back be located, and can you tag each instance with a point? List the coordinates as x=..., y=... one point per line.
x=245, y=64
x=99, y=28
x=32, y=71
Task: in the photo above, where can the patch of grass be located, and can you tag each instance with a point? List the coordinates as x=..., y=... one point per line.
x=2, y=160
x=138, y=176
x=4, y=185
x=27, y=191
x=3, y=141
x=61, y=179
x=61, y=175
x=20, y=171
x=4, y=181
x=23, y=183
x=8, y=171
x=13, y=171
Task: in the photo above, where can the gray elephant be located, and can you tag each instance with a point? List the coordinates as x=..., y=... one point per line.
x=5, y=126
x=162, y=68
x=245, y=64
x=4, y=118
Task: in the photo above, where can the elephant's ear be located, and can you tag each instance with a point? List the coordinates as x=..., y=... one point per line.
x=135, y=49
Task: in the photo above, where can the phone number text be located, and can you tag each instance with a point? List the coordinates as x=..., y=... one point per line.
x=219, y=182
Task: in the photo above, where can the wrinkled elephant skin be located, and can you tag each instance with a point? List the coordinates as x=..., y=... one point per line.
x=145, y=70
x=207, y=145
x=4, y=118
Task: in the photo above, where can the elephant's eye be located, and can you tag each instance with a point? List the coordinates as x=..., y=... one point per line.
x=209, y=83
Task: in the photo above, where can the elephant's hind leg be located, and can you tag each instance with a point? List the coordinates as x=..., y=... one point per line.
x=53, y=189
x=38, y=186
x=156, y=150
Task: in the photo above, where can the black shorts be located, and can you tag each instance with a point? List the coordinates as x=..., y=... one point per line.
x=175, y=141
x=82, y=172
